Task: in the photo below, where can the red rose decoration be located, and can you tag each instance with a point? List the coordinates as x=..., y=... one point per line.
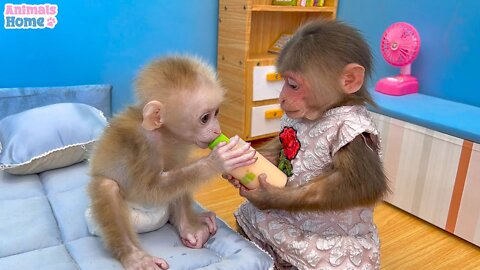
x=290, y=143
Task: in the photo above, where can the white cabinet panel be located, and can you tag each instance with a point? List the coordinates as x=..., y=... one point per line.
x=265, y=120
x=262, y=87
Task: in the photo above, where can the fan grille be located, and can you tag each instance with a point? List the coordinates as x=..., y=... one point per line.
x=400, y=44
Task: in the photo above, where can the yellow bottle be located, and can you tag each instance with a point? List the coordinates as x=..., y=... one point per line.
x=248, y=175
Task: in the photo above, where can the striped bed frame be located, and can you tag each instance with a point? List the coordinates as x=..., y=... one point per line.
x=433, y=175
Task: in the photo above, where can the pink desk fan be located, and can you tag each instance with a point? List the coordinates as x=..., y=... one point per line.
x=399, y=45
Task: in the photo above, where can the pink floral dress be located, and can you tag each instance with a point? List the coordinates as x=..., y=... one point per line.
x=318, y=240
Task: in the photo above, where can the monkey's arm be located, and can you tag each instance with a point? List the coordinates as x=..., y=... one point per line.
x=356, y=179
x=271, y=150
x=222, y=159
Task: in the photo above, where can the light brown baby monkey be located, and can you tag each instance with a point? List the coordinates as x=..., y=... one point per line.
x=141, y=173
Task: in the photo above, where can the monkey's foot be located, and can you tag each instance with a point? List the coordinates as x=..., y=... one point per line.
x=140, y=260
x=209, y=219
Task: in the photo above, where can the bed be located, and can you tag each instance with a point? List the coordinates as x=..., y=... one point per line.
x=43, y=197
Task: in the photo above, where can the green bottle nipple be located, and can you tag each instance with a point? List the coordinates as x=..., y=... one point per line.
x=219, y=139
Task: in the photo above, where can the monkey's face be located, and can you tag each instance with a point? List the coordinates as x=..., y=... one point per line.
x=208, y=127
x=193, y=119
x=294, y=96
x=308, y=96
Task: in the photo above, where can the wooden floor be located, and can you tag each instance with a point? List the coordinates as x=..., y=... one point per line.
x=406, y=241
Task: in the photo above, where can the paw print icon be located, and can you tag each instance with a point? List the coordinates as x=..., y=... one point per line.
x=51, y=22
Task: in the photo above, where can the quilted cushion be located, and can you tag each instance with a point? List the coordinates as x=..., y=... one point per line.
x=43, y=227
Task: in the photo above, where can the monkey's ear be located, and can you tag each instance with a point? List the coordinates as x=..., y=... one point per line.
x=352, y=78
x=152, y=115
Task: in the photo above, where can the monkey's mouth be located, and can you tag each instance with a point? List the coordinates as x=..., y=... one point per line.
x=291, y=111
x=288, y=110
x=294, y=114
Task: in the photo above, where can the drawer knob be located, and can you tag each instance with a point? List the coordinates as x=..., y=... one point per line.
x=273, y=113
x=274, y=76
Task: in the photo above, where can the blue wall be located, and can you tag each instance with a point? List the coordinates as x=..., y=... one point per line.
x=106, y=42
x=449, y=59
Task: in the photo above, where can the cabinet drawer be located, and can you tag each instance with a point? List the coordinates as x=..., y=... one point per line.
x=267, y=84
x=265, y=120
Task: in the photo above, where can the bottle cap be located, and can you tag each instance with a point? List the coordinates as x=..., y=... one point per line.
x=219, y=139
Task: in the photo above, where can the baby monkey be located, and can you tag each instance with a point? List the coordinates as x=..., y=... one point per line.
x=329, y=147
x=142, y=172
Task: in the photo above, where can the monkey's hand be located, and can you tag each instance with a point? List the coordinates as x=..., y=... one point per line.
x=226, y=157
x=139, y=259
x=234, y=181
x=264, y=196
x=195, y=235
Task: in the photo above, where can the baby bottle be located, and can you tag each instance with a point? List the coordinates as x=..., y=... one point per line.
x=248, y=175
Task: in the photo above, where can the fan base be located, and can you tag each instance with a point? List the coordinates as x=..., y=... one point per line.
x=397, y=85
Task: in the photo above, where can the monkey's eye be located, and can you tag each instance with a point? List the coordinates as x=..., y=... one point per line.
x=216, y=112
x=204, y=119
x=292, y=83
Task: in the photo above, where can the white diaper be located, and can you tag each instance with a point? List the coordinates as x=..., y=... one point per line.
x=143, y=219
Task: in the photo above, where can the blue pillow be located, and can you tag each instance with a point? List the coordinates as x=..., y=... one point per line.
x=48, y=137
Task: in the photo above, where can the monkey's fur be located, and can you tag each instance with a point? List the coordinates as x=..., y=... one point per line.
x=144, y=157
x=321, y=52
